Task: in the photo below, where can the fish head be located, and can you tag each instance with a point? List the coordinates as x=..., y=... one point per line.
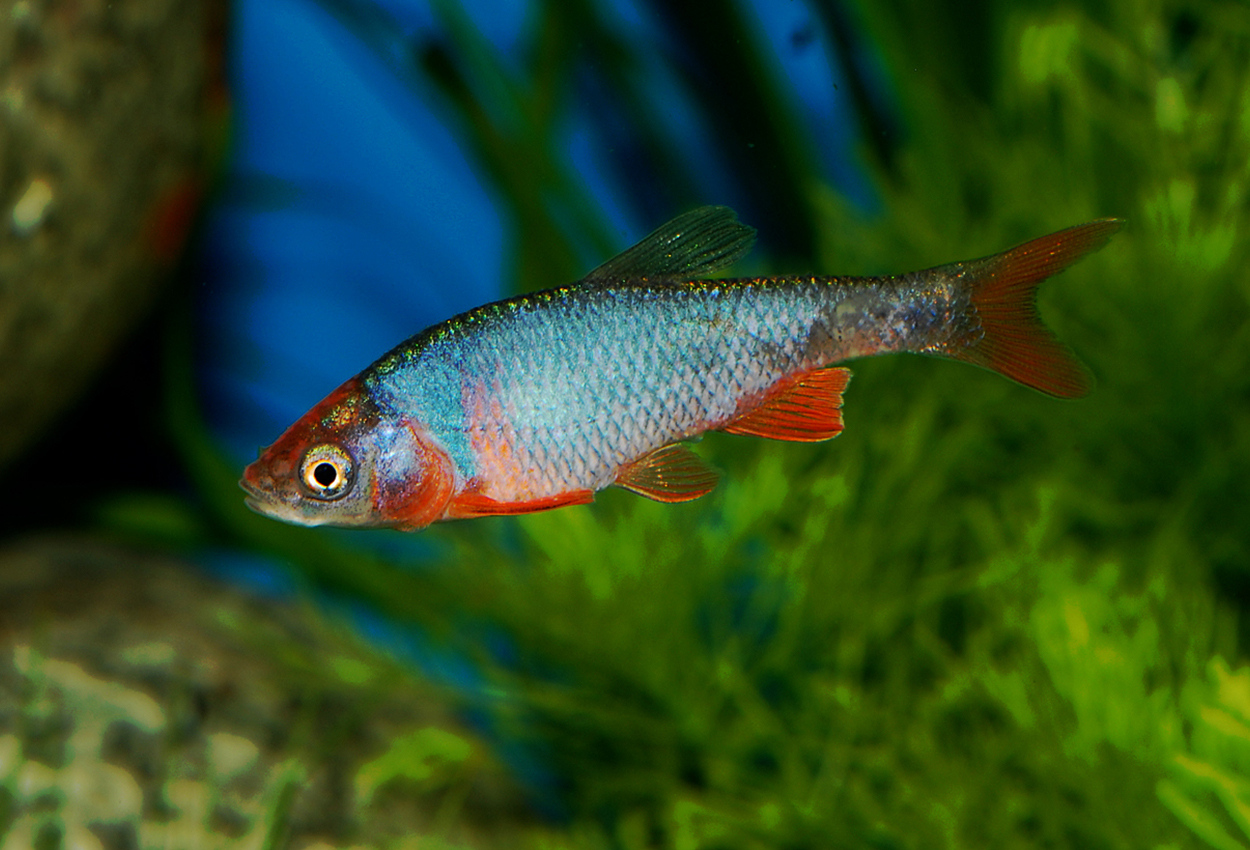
x=346, y=462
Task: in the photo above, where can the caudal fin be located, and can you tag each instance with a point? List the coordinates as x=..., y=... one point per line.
x=1004, y=292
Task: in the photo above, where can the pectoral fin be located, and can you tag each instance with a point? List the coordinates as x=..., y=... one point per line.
x=669, y=474
x=804, y=409
x=470, y=504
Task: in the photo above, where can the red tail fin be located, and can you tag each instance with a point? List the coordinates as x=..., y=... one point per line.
x=1004, y=293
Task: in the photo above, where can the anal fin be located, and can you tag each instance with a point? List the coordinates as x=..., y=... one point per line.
x=470, y=504
x=805, y=409
x=670, y=474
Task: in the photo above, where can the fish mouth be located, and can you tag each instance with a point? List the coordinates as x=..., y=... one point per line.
x=266, y=507
x=269, y=504
x=257, y=499
x=251, y=489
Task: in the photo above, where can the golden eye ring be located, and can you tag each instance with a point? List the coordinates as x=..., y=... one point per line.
x=327, y=472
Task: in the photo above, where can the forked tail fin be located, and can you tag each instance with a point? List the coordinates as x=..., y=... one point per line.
x=1004, y=292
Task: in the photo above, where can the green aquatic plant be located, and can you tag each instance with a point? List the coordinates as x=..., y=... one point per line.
x=980, y=617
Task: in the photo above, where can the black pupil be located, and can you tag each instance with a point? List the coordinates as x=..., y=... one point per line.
x=325, y=474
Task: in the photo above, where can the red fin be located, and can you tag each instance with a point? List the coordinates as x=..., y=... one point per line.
x=805, y=409
x=1004, y=293
x=470, y=504
x=669, y=474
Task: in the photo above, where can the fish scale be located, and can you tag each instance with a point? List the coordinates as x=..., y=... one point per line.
x=538, y=401
x=704, y=343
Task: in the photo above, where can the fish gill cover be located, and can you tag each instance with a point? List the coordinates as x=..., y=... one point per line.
x=980, y=617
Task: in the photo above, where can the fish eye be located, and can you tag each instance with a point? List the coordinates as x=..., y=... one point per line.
x=327, y=472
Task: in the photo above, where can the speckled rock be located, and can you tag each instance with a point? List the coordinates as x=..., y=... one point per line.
x=142, y=704
x=105, y=112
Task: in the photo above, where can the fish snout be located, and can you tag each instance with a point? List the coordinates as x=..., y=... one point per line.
x=262, y=483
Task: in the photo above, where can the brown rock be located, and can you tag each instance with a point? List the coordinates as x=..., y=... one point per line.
x=105, y=113
x=147, y=704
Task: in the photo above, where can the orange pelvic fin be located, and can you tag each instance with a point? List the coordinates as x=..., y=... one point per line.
x=804, y=409
x=471, y=504
x=1004, y=293
x=669, y=474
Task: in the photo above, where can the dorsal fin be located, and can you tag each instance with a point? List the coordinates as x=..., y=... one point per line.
x=691, y=246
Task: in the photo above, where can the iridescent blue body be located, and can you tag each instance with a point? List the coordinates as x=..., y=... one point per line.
x=540, y=400
x=578, y=381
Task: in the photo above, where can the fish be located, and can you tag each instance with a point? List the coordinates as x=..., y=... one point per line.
x=539, y=401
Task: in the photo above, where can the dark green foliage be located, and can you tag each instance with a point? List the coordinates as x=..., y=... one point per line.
x=979, y=618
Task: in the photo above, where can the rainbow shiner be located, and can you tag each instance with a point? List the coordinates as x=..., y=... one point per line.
x=538, y=401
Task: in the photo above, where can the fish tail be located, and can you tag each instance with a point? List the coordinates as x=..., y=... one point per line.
x=1014, y=341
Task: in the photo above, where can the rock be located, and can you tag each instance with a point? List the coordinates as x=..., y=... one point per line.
x=144, y=704
x=106, y=114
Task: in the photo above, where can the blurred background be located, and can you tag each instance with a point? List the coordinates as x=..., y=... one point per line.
x=980, y=617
